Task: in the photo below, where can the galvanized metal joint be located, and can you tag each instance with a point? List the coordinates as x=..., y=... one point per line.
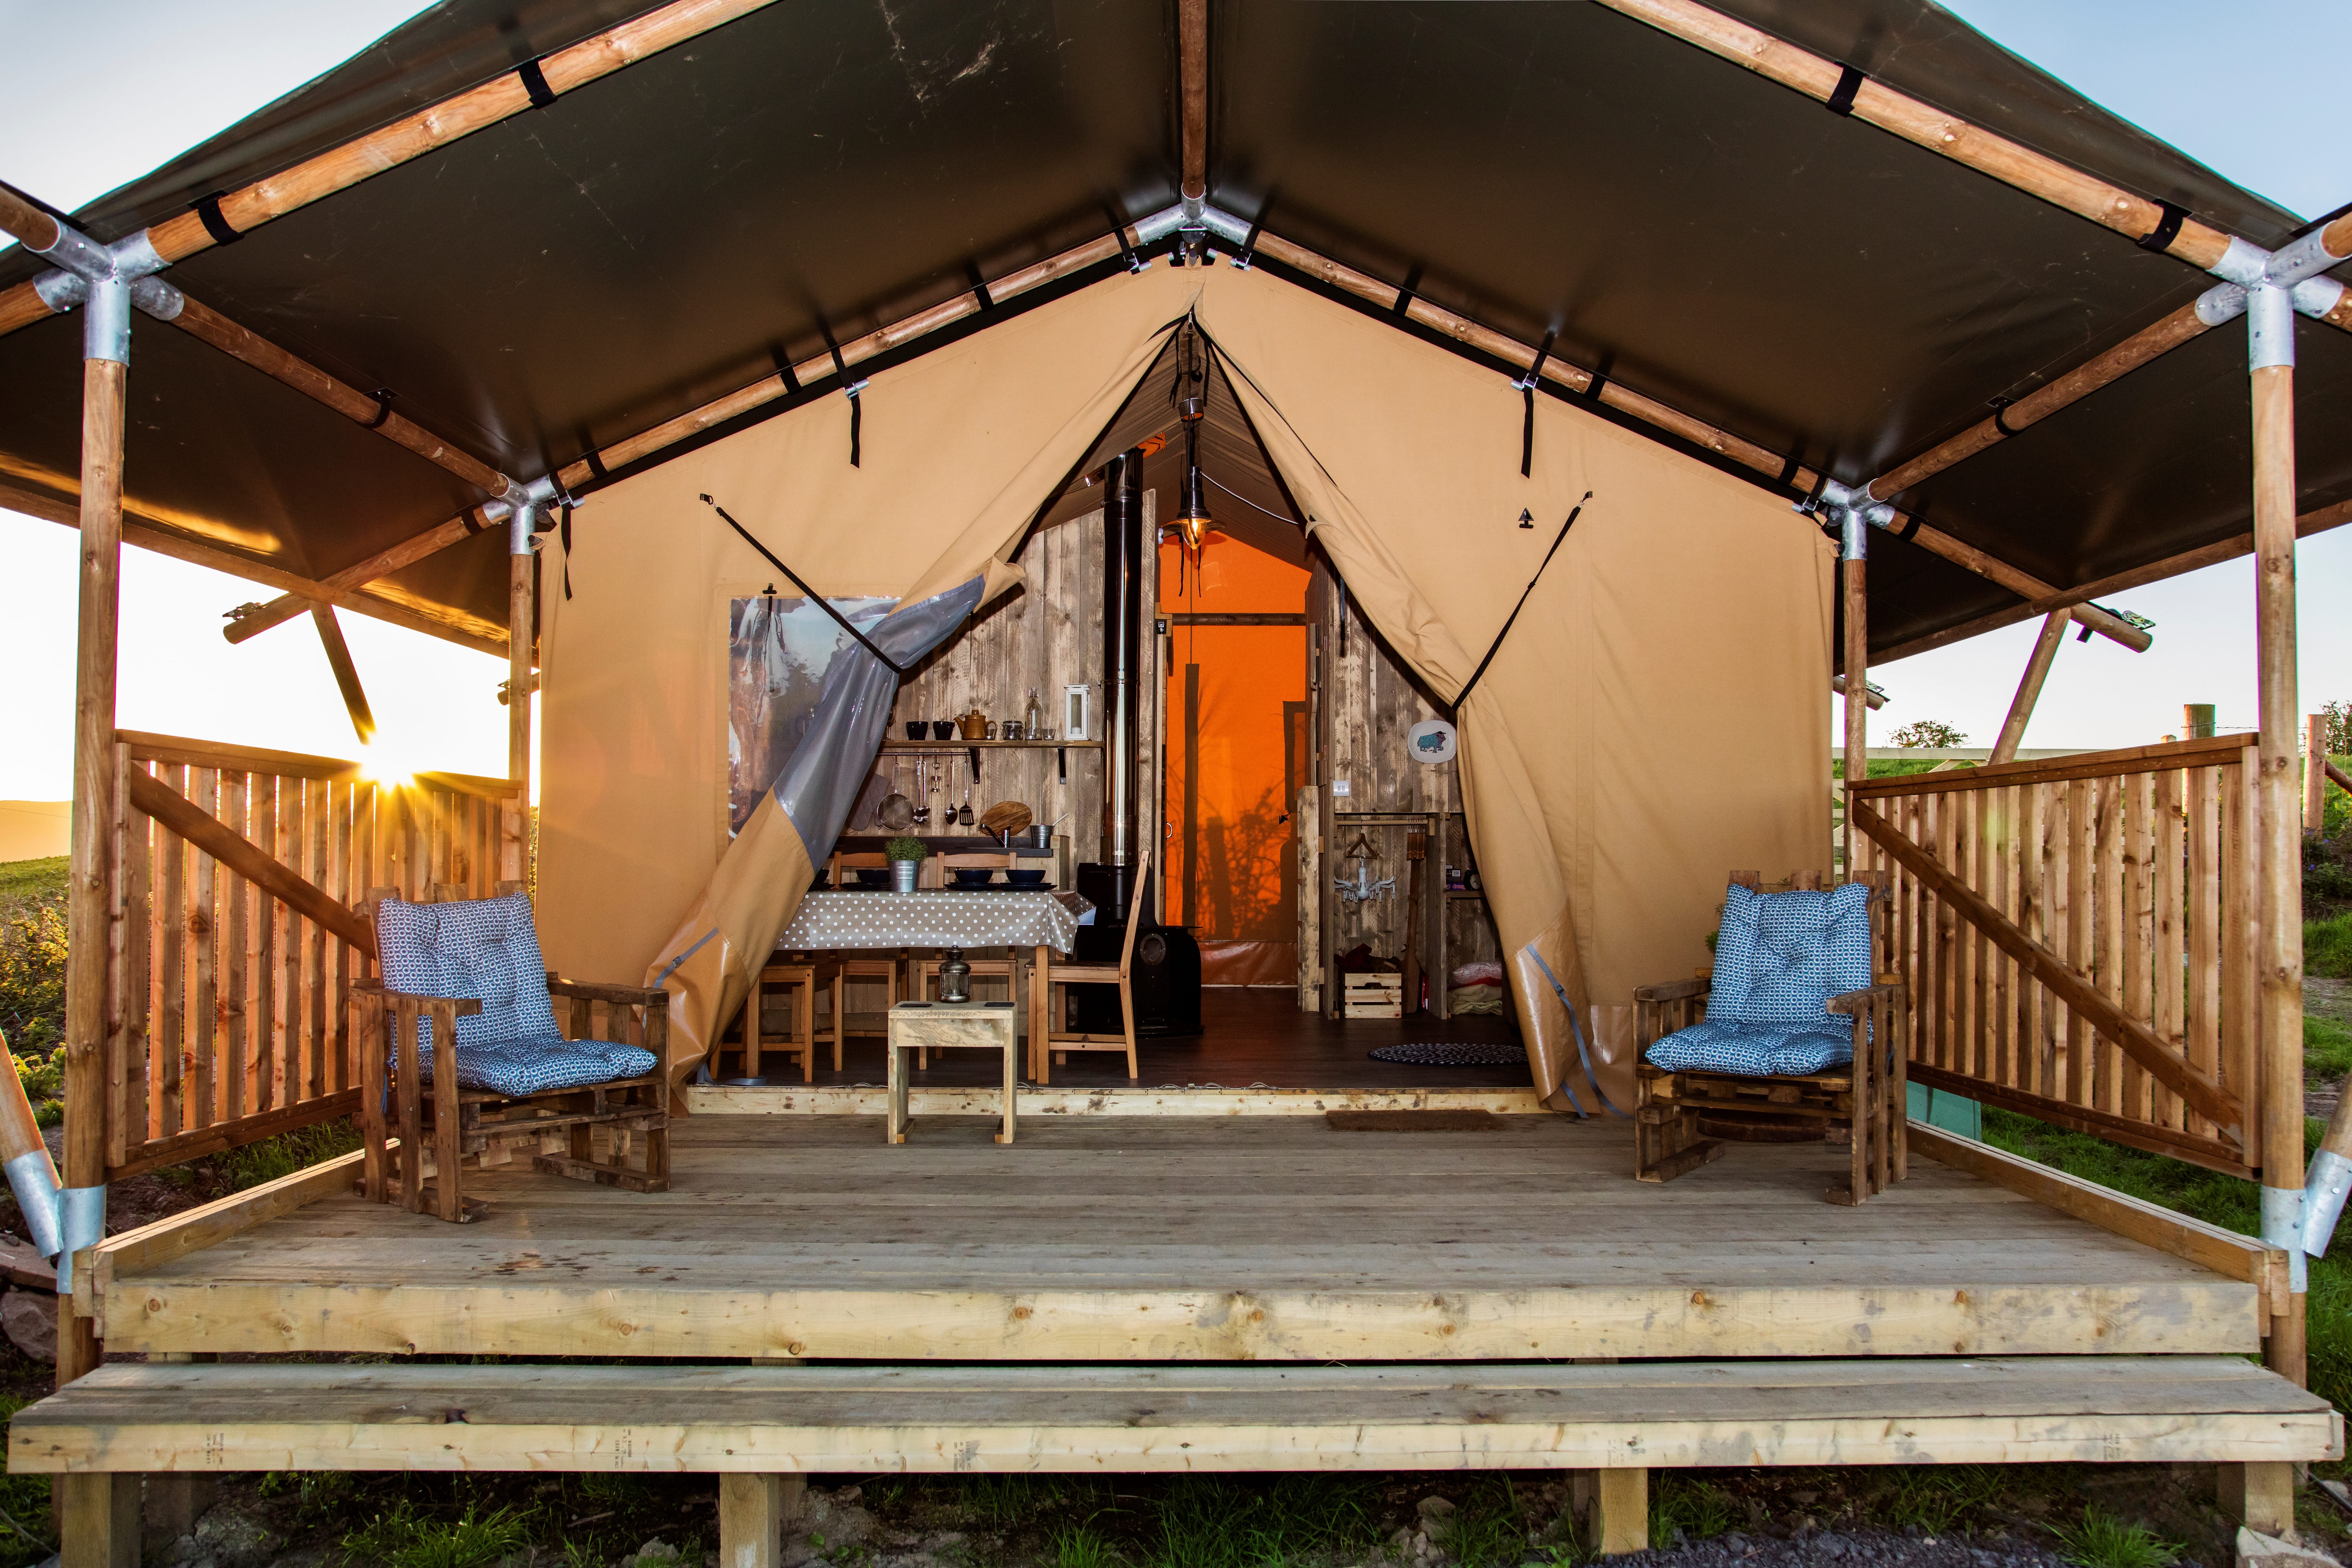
x=2270, y=326
x=2282, y=1218
x=81, y=1214
x=2323, y=1191
x=1852, y=512
x=33, y=1178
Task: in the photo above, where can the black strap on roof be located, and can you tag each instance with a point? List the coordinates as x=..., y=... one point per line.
x=383, y=396
x=814, y=596
x=534, y=82
x=1789, y=467
x=208, y=212
x=1496, y=646
x=2167, y=229
x=1528, y=390
x=2000, y=407
x=1408, y=292
x=1600, y=382
x=978, y=286
x=595, y=465
x=1910, y=529
x=564, y=528
x=1118, y=232
x=857, y=410
x=784, y=368
x=1249, y=245
x=1849, y=80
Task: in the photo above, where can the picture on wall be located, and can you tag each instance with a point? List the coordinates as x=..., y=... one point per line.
x=779, y=649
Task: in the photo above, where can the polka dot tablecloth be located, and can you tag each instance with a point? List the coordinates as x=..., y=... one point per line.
x=984, y=917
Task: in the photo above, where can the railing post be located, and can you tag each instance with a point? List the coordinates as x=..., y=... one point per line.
x=2270, y=335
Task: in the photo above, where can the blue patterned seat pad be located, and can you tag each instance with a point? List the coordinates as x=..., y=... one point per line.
x=485, y=949
x=1779, y=959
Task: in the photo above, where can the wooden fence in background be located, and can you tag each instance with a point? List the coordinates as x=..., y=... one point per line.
x=2078, y=937
x=236, y=944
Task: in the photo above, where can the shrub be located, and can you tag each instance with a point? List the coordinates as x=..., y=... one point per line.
x=1922, y=732
x=33, y=979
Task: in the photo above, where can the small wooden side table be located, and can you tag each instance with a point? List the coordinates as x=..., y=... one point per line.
x=952, y=1026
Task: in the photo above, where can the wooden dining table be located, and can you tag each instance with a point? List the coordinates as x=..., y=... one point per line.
x=1044, y=920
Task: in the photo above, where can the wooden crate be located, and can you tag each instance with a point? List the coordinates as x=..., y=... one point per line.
x=1372, y=995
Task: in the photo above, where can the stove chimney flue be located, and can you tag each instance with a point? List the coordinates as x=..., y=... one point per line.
x=1122, y=649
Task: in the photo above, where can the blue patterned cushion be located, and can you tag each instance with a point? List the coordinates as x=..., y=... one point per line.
x=1779, y=959
x=1781, y=956
x=486, y=950
x=1753, y=1050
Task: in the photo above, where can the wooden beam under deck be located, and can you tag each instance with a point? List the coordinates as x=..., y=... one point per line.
x=1194, y=1239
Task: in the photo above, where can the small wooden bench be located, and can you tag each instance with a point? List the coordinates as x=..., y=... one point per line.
x=1617, y=1420
x=952, y=1026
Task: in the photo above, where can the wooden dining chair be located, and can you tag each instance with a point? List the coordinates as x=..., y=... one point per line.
x=1055, y=975
x=844, y=968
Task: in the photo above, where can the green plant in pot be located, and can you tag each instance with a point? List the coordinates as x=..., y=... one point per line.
x=906, y=856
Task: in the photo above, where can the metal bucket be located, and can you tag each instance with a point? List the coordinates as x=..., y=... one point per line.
x=902, y=875
x=1041, y=836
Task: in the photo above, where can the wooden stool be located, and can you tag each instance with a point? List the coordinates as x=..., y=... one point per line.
x=923, y=980
x=952, y=1026
x=801, y=975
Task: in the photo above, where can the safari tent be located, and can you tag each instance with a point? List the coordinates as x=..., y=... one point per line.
x=777, y=387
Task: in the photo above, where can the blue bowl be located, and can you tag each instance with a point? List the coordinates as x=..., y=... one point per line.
x=873, y=878
x=1025, y=878
x=972, y=878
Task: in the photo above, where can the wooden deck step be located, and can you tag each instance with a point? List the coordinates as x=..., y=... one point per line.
x=153, y=1417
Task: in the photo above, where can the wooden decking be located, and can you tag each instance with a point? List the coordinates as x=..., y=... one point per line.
x=861, y=1419
x=1184, y=1238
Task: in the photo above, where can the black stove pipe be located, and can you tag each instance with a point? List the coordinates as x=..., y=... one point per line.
x=1122, y=657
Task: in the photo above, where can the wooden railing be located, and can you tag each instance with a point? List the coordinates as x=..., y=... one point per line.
x=237, y=876
x=2078, y=938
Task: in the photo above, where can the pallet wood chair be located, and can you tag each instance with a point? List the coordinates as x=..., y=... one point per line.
x=1763, y=1074
x=460, y=984
x=842, y=967
x=1055, y=1041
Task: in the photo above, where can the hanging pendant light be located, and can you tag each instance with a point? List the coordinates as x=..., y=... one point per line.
x=1191, y=395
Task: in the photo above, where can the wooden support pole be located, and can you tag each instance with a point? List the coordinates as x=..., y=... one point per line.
x=2313, y=522
x=2315, y=772
x=753, y=1511
x=347, y=583
x=1193, y=89
x=2258, y=1494
x=1620, y=1519
x=2279, y=894
x=2029, y=690
x=98, y=1512
x=91, y=907
x=347, y=673
x=1853, y=588
x=523, y=570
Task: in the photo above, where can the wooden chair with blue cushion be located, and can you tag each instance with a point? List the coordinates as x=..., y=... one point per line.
x=468, y=972
x=1794, y=1038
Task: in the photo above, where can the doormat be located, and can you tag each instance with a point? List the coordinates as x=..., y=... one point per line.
x=1415, y=1121
x=1452, y=1053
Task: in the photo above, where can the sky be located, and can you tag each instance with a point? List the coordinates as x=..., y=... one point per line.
x=2230, y=97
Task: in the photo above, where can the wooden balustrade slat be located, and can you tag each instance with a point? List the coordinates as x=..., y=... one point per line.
x=2067, y=982
x=197, y=1099
x=2168, y=954
x=2169, y=755
x=2137, y=934
x=172, y=945
x=2240, y=1031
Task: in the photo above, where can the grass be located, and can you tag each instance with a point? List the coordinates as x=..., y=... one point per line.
x=1206, y=1523
x=1693, y=1509
x=2327, y=947
x=250, y=1165
x=1933, y=1499
x=2326, y=1047
x=2103, y=1541
x=32, y=881
x=403, y=1536
x=24, y=1509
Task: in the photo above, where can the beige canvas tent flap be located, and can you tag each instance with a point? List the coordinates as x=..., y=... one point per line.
x=958, y=450
x=1656, y=717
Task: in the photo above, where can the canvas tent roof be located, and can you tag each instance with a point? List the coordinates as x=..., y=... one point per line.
x=812, y=171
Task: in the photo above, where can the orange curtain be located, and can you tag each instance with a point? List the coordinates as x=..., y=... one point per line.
x=1237, y=752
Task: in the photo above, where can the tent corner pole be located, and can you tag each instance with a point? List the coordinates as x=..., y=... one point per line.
x=2270, y=336
x=2029, y=688
x=1853, y=588
x=522, y=567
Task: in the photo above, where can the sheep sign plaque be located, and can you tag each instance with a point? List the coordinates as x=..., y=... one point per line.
x=1431, y=741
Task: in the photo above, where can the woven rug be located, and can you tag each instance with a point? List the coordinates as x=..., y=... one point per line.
x=1452, y=1053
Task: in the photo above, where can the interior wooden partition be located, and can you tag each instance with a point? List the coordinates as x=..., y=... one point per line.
x=2040, y=908
x=236, y=874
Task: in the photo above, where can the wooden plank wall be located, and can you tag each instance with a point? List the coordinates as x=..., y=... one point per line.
x=1047, y=635
x=1367, y=704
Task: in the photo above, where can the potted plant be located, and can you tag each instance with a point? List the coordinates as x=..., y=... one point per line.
x=906, y=856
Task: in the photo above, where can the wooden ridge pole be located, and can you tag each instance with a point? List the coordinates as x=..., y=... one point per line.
x=1193, y=90
x=351, y=580
x=340, y=168
x=2279, y=893
x=2310, y=523
x=2029, y=689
